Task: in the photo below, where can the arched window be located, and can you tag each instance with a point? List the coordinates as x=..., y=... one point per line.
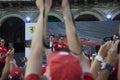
x=117, y=18
x=86, y=17
x=13, y=31
x=53, y=19
x=103, y=1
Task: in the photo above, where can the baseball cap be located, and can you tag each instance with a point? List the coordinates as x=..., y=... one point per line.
x=15, y=73
x=64, y=66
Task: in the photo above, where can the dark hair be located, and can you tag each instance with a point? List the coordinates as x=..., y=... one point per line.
x=115, y=35
x=52, y=35
x=110, y=38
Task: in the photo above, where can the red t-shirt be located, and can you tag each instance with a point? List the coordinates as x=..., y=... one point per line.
x=3, y=50
x=87, y=76
x=59, y=45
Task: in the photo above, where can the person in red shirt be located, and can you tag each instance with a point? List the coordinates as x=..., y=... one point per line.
x=11, y=70
x=3, y=50
x=60, y=44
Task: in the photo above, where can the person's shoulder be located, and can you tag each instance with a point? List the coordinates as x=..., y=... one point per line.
x=88, y=76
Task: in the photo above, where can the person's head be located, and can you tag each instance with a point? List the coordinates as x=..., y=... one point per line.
x=115, y=37
x=51, y=37
x=62, y=65
x=61, y=39
x=23, y=59
x=2, y=42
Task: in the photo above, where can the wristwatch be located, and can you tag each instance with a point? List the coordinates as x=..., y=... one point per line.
x=99, y=58
x=106, y=66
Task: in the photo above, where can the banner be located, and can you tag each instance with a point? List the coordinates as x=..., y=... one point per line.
x=29, y=29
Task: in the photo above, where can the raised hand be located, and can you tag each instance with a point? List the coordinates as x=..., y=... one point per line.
x=112, y=56
x=10, y=55
x=104, y=48
x=40, y=4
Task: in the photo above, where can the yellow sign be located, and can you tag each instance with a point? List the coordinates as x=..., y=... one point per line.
x=31, y=29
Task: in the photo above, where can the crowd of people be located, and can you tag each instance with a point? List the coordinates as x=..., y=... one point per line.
x=64, y=61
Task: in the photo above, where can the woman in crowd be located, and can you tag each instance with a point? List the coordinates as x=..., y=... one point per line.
x=3, y=51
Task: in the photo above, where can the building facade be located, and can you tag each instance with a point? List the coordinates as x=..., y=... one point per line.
x=15, y=13
x=94, y=10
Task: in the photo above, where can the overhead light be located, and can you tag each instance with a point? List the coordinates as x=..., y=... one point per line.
x=28, y=19
x=109, y=16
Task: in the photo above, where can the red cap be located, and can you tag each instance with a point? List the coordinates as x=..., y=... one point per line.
x=64, y=66
x=16, y=72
